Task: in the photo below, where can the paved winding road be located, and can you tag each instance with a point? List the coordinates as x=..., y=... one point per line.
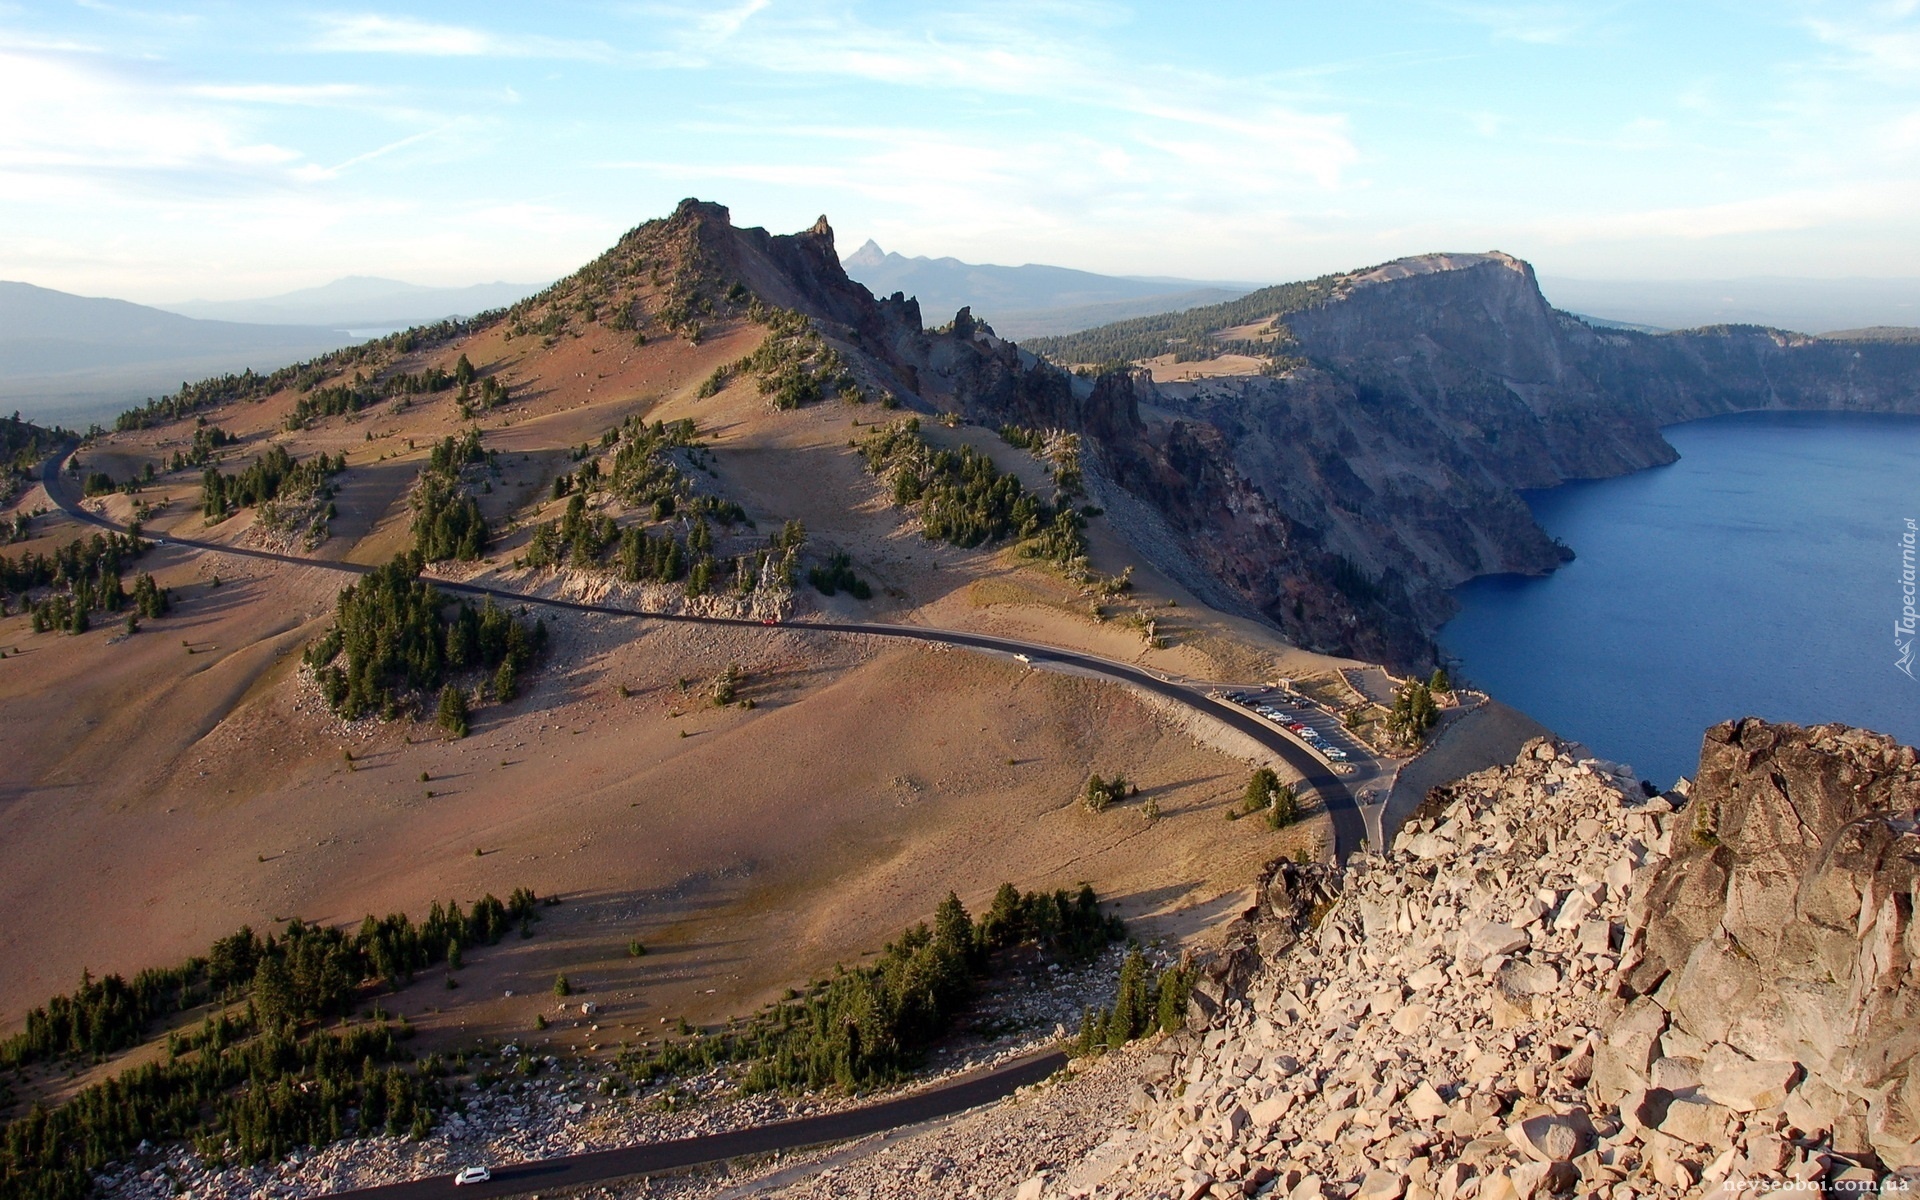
x=577, y=1170
x=1348, y=827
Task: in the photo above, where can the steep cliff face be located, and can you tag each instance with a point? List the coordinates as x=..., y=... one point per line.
x=1343, y=496
x=1433, y=390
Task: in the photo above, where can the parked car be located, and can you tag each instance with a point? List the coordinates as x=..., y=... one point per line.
x=472, y=1175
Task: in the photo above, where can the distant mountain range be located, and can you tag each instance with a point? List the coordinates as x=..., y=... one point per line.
x=76, y=358
x=1802, y=305
x=1030, y=300
x=79, y=358
x=361, y=302
x=82, y=358
x=1037, y=300
x=44, y=332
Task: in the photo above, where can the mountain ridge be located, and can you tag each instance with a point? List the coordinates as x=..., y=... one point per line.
x=360, y=301
x=1031, y=298
x=1369, y=456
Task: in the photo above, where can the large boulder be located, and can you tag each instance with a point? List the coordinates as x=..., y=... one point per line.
x=1781, y=931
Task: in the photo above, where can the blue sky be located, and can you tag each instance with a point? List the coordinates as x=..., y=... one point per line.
x=164, y=152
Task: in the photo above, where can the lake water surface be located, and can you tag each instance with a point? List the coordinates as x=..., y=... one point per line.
x=1757, y=576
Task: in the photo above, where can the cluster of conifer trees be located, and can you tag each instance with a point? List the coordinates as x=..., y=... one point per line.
x=447, y=522
x=836, y=575
x=1188, y=334
x=85, y=576
x=1142, y=1004
x=364, y=391
x=270, y=475
x=867, y=1025
x=963, y=499
x=400, y=638
x=1414, y=711
x=304, y=376
x=794, y=365
x=207, y=443
x=22, y=446
x=258, y=1077
x=646, y=476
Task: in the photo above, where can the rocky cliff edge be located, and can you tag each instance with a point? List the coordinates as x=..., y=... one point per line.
x=1556, y=985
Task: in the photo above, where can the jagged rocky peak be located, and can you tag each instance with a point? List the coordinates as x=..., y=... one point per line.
x=868, y=255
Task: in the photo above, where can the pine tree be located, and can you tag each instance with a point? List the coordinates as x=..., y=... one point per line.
x=453, y=710
x=1132, y=1006
x=1285, y=809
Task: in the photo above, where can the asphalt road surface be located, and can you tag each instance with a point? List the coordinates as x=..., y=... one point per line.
x=579, y=1170
x=1348, y=827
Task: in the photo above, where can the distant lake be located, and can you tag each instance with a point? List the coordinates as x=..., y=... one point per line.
x=1757, y=576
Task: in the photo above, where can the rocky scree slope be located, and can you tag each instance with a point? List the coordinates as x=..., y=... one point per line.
x=1534, y=993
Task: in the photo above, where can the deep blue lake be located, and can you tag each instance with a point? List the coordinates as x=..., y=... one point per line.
x=1757, y=576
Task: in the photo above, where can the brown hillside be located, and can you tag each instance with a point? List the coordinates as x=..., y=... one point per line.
x=163, y=788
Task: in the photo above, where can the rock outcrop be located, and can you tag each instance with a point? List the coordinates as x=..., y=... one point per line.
x=1778, y=943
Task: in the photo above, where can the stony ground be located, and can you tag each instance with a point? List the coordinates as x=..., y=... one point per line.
x=564, y=1109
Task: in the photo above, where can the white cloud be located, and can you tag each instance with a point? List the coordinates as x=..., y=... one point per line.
x=1538, y=24
x=372, y=33
x=60, y=115
x=317, y=95
x=1882, y=41
x=1185, y=114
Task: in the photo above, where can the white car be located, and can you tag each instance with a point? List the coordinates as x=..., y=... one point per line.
x=472, y=1175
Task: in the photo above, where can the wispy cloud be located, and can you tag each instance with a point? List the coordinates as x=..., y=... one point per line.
x=1883, y=40
x=1017, y=57
x=1537, y=24
x=373, y=33
x=63, y=114
x=316, y=173
x=320, y=95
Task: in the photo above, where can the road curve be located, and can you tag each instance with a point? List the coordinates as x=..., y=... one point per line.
x=1348, y=827
x=579, y=1170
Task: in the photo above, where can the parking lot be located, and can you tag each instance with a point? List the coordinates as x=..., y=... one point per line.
x=1312, y=723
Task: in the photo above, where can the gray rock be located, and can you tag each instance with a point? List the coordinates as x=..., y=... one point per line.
x=1487, y=939
x=1744, y=1085
x=1381, y=1184
x=1548, y=1138
x=1675, y=1074
x=1696, y=1120
x=1624, y=1059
